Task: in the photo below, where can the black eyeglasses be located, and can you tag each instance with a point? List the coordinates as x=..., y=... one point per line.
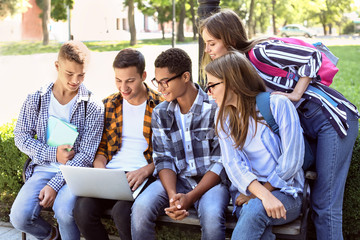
x=209, y=87
x=164, y=83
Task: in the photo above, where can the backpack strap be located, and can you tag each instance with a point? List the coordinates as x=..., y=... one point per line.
x=263, y=104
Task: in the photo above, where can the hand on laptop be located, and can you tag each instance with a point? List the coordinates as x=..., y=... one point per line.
x=63, y=154
x=136, y=178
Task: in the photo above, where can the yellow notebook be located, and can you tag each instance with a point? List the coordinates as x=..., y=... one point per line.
x=60, y=132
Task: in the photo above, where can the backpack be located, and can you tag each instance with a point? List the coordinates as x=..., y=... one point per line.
x=263, y=104
x=325, y=74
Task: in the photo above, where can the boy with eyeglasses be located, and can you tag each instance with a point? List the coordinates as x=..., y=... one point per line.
x=186, y=154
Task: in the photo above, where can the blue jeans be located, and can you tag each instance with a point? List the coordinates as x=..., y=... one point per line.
x=254, y=223
x=25, y=211
x=333, y=157
x=151, y=203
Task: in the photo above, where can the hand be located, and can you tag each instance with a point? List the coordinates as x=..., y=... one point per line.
x=274, y=207
x=243, y=199
x=291, y=96
x=63, y=155
x=136, y=178
x=47, y=196
x=176, y=209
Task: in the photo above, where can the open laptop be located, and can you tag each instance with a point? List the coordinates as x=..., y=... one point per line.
x=99, y=183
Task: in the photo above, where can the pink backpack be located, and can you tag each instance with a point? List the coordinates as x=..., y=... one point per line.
x=327, y=69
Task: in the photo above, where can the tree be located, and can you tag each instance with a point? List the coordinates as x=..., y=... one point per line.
x=131, y=19
x=45, y=6
x=12, y=7
x=182, y=15
x=193, y=4
x=160, y=9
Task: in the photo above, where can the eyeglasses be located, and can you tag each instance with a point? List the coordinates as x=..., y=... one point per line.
x=164, y=83
x=209, y=87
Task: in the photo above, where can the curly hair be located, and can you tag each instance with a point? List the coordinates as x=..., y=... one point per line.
x=74, y=51
x=176, y=60
x=129, y=57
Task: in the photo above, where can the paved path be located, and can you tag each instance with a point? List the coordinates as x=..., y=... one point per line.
x=7, y=232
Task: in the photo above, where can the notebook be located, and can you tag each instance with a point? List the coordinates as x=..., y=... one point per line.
x=60, y=132
x=99, y=183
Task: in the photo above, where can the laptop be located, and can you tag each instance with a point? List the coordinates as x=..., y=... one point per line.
x=99, y=183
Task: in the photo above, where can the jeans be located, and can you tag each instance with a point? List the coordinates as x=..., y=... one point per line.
x=25, y=211
x=254, y=223
x=88, y=212
x=151, y=203
x=333, y=157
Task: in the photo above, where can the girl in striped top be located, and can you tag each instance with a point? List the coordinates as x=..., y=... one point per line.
x=331, y=121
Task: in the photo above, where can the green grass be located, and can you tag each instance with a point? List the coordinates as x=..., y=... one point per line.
x=28, y=47
x=346, y=80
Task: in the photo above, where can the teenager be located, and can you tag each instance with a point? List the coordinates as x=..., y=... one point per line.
x=333, y=127
x=186, y=154
x=126, y=144
x=264, y=167
x=66, y=99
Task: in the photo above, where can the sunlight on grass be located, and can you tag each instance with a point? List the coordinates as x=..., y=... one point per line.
x=29, y=47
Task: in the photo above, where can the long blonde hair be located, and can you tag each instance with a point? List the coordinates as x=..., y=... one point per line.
x=240, y=77
x=227, y=26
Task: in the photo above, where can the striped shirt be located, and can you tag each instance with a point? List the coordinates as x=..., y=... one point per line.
x=286, y=153
x=33, y=120
x=303, y=62
x=111, y=139
x=169, y=151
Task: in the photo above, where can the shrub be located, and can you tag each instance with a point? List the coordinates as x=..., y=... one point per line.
x=11, y=163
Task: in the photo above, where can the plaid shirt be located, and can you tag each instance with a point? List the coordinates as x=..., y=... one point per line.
x=169, y=152
x=111, y=139
x=33, y=120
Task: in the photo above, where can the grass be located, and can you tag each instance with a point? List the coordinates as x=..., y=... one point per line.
x=346, y=80
x=29, y=47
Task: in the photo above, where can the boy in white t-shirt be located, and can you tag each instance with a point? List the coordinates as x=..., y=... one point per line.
x=126, y=144
x=66, y=99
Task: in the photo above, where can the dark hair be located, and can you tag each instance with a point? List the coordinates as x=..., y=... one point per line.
x=129, y=57
x=176, y=60
x=74, y=51
x=241, y=78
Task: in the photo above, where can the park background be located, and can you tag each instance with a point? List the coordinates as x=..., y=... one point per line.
x=28, y=51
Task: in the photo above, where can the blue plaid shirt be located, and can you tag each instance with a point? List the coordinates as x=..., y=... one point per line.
x=169, y=152
x=33, y=120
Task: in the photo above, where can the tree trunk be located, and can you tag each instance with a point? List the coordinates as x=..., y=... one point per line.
x=330, y=28
x=193, y=19
x=273, y=17
x=162, y=30
x=45, y=21
x=251, y=30
x=180, y=33
x=131, y=19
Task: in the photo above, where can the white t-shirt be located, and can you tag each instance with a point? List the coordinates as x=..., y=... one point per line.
x=62, y=112
x=130, y=157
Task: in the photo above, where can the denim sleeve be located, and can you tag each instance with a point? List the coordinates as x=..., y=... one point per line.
x=292, y=142
x=236, y=164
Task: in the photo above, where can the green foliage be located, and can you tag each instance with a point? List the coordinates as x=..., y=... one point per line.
x=12, y=7
x=349, y=28
x=11, y=162
x=351, y=208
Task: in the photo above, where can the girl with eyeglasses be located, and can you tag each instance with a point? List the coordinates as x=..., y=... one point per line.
x=330, y=121
x=263, y=167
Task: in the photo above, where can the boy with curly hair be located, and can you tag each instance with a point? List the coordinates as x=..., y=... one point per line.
x=186, y=154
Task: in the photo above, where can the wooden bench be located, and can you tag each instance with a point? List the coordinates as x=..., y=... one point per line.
x=294, y=230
